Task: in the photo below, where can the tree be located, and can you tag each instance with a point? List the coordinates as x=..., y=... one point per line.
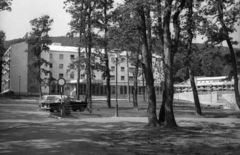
x=189, y=28
x=5, y=5
x=142, y=10
x=124, y=36
x=83, y=19
x=218, y=22
x=38, y=41
x=135, y=62
x=90, y=7
x=178, y=7
x=168, y=65
x=103, y=17
x=135, y=16
x=78, y=26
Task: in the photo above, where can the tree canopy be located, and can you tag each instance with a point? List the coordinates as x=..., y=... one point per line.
x=38, y=41
x=5, y=5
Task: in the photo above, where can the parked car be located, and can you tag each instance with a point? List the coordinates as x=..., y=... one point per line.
x=53, y=103
x=215, y=105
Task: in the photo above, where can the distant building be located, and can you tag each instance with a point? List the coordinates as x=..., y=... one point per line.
x=17, y=77
x=207, y=83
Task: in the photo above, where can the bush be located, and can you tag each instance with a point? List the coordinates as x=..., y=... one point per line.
x=66, y=107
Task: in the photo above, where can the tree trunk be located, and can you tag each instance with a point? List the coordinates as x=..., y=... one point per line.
x=108, y=89
x=143, y=90
x=162, y=117
x=195, y=93
x=39, y=78
x=40, y=90
x=106, y=55
x=89, y=58
x=135, y=74
x=86, y=94
x=78, y=73
x=189, y=46
x=135, y=102
x=147, y=67
x=233, y=58
x=86, y=70
x=168, y=64
x=176, y=25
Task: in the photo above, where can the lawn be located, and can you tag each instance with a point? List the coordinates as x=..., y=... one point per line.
x=125, y=109
x=28, y=130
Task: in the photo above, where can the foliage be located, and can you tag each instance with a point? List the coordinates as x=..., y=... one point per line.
x=2, y=39
x=8, y=43
x=5, y=5
x=38, y=41
x=206, y=61
x=209, y=23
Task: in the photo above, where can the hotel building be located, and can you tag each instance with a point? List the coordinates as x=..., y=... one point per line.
x=16, y=77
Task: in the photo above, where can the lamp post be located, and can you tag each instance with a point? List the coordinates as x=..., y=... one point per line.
x=19, y=85
x=211, y=92
x=116, y=86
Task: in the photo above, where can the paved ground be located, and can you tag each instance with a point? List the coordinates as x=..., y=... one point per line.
x=24, y=129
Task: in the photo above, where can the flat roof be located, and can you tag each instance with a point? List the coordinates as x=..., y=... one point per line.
x=212, y=78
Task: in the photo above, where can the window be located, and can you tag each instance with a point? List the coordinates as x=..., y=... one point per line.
x=60, y=66
x=112, y=68
x=72, y=76
x=130, y=78
x=60, y=75
x=60, y=56
x=140, y=90
x=82, y=76
x=50, y=65
x=51, y=55
x=112, y=59
x=72, y=57
x=112, y=77
x=121, y=89
x=122, y=78
x=122, y=59
x=122, y=69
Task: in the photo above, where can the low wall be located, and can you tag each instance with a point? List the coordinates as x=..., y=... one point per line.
x=188, y=96
x=214, y=97
x=231, y=100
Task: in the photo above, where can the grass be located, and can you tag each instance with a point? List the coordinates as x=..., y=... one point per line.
x=125, y=109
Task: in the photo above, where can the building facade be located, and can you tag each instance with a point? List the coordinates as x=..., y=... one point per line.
x=14, y=69
x=220, y=83
x=18, y=79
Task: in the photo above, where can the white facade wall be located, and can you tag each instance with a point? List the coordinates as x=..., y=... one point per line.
x=18, y=67
x=57, y=56
x=122, y=66
x=6, y=71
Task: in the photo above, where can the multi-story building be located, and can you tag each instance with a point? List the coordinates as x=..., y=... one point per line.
x=17, y=77
x=14, y=69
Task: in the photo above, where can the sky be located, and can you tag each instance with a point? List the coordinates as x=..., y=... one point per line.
x=16, y=23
